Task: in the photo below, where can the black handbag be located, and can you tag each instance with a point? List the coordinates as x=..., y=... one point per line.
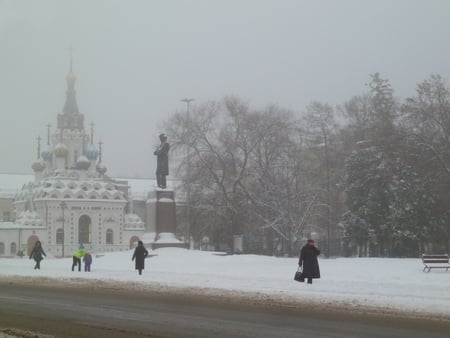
x=299, y=276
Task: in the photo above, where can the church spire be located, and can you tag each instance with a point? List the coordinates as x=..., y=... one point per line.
x=39, y=147
x=71, y=117
x=48, y=134
x=92, y=132
x=100, y=143
x=70, y=106
x=71, y=59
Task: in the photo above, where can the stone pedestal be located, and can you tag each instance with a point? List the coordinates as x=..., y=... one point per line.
x=166, y=222
x=165, y=212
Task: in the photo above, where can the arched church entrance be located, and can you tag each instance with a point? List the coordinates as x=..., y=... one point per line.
x=84, y=230
x=31, y=242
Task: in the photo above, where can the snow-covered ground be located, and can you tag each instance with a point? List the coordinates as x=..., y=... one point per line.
x=357, y=283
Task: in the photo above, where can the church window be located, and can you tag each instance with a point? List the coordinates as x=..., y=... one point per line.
x=13, y=248
x=2, y=248
x=6, y=216
x=59, y=236
x=84, y=230
x=109, y=236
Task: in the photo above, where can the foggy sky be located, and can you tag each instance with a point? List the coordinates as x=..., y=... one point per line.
x=136, y=59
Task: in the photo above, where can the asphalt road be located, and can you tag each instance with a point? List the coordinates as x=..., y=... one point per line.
x=96, y=312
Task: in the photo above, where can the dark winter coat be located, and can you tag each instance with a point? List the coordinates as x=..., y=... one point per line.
x=139, y=254
x=308, y=260
x=162, y=164
x=37, y=253
x=87, y=259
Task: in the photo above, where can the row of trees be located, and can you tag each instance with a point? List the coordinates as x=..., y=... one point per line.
x=377, y=183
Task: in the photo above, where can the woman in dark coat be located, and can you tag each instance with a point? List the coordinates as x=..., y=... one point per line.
x=308, y=260
x=37, y=254
x=140, y=253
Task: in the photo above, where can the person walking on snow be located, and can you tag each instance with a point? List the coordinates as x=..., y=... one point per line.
x=77, y=255
x=140, y=253
x=87, y=259
x=308, y=260
x=37, y=254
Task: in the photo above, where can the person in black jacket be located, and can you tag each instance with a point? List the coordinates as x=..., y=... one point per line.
x=37, y=254
x=308, y=260
x=140, y=253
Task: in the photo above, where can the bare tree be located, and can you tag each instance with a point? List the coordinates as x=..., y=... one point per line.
x=321, y=128
x=245, y=172
x=277, y=192
x=220, y=138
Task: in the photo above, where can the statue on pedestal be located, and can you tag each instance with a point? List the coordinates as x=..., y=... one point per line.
x=162, y=165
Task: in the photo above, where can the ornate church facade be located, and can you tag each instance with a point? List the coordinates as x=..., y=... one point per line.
x=73, y=202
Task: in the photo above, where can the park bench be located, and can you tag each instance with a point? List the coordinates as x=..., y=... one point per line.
x=435, y=262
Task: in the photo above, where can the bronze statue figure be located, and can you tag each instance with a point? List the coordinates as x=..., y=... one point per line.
x=162, y=165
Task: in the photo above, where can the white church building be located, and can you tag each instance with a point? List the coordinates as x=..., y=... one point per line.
x=71, y=201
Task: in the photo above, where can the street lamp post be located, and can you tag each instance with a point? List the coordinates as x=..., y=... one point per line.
x=327, y=205
x=63, y=205
x=188, y=101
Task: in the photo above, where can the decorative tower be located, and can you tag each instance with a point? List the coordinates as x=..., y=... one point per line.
x=71, y=117
x=61, y=152
x=70, y=124
x=101, y=169
x=47, y=152
x=92, y=152
x=38, y=166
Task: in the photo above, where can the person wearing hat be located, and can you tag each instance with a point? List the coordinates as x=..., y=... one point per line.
x=308, y=261
x=162, y=161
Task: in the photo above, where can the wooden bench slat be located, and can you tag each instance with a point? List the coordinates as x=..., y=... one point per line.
x=435, y=260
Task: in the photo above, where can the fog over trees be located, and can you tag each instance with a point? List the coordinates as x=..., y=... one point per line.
x=309, y=144
x=369, y=177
